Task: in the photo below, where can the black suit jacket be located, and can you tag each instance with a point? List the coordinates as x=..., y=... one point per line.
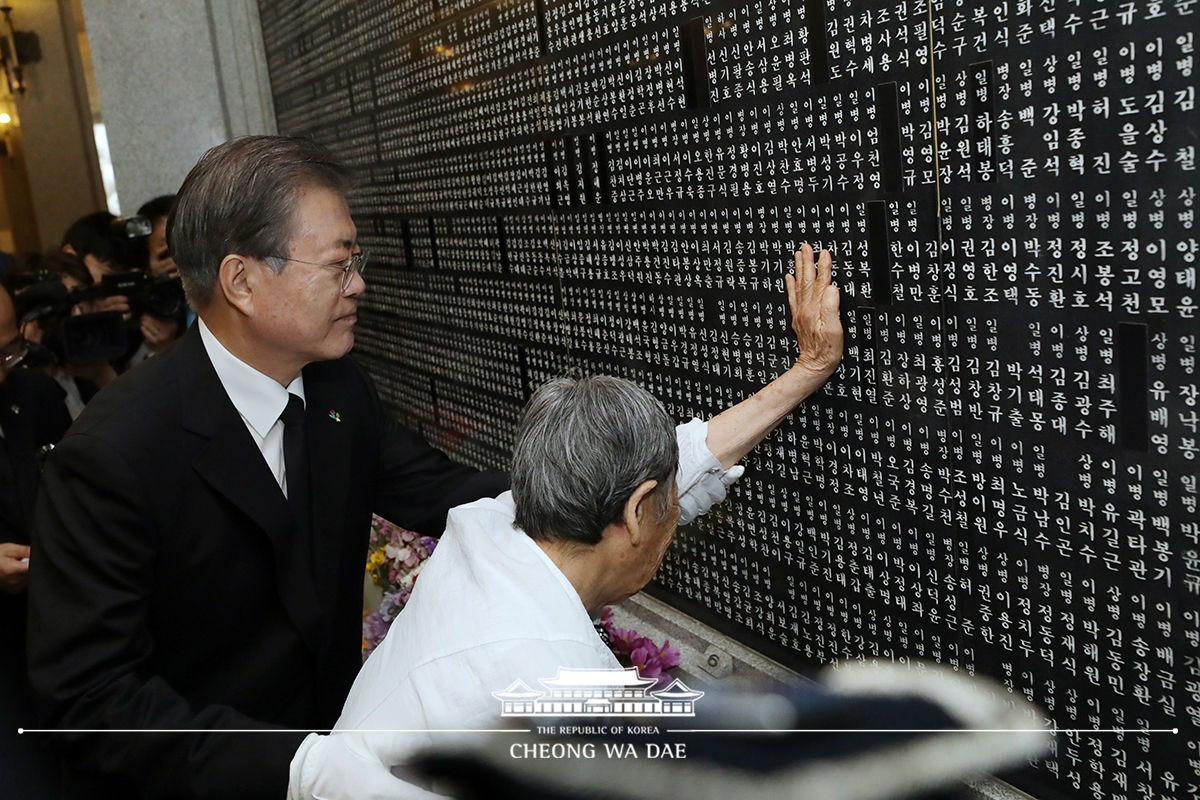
x=33, y=416
x=168, y=591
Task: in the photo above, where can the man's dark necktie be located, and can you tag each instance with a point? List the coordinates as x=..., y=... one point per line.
x=295, y=462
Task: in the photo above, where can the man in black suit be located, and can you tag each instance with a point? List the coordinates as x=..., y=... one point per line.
x=201, y=531
x=32, y=418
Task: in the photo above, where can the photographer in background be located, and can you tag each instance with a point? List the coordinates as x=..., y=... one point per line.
x=158, y=331
x=159, y=261
x=93, y=240
x=32, y=419
x=43, y=293
x=116, y=252
x=32, y=416
x=107, y=244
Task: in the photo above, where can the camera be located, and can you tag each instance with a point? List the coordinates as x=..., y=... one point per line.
x=161, y=296
x=127, y=238
x=81, y=338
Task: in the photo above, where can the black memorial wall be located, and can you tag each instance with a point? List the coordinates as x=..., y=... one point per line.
x=1003, y=474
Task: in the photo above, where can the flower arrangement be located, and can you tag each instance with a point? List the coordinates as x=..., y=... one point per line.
x=395, y=557
x=635, y=650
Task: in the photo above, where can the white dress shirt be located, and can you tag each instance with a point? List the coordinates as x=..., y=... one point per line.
x=258, y=399
x=489, y=608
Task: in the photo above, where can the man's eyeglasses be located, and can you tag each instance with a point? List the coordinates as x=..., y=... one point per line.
x=14, y=352
x=356, y=263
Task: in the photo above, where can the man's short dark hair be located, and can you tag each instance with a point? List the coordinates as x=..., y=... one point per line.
x=158, y=208
x=583, y=447
x=239, y=198
x=92, y=235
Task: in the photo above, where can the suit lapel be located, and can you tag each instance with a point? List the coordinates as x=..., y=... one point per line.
x=329, y=476
x=233, y=466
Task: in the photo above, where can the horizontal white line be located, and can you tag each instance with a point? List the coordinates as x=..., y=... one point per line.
x=270, y=730
x=923, y=730
x=668, y=730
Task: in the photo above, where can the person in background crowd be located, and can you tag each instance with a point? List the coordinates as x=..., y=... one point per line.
x=79, y=381
x=158, y=331
x=88, y=240
x=32, y=418
x=109, y=245
x=159, y=261
x=103, y=250
x=201, y=530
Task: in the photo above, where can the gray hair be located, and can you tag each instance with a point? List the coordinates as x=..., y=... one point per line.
x=583, y=447
x=239, y=198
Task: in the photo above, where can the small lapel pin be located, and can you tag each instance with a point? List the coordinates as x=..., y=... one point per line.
x=335, y=416
x=14, y=408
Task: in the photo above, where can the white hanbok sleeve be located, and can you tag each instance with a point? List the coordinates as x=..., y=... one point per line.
x=702, y=482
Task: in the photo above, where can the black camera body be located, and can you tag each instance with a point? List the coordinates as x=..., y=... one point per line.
x=161, y=296
x=104, y=335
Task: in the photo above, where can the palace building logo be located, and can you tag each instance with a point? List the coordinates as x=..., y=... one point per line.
x=598, y=692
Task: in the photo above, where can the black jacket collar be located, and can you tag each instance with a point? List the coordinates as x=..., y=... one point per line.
x=232, y=465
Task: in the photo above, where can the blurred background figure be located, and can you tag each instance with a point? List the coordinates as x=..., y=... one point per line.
x=158, y=331
x=159, y=261
x=863, y=731
x=66, y=333
x=107, y=244
x=119, y=253
x=91, y=240
x=32, y=419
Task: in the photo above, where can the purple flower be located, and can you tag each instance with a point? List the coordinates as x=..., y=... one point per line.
x=374, y=629
x=668, y=656
x=646, y=661
x=623, y=642
x=640, y=656
x=636, y=650
x=393, y=603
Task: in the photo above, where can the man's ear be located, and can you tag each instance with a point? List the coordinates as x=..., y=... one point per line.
x=639, y=508
x=237, y=282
